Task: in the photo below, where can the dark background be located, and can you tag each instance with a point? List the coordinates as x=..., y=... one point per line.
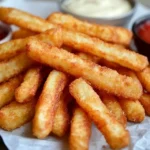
x=2, y=145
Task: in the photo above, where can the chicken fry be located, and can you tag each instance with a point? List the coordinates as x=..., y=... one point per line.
x=107, y=33
x=13, y=47
x=7, y=90
x=110, y=52
x=114, y=107
x=46, y=105
x=14, y=115
x=98, y=60
x=131, y=74
x=14, y=66
x=101, y=77
x=127, y=72
x=28, y=88
x=88, y=57
x=80, y=131
x=144, y=77
x=133, y=109
x=110, y=101
x=90, y=102
x=145, y=101
x=22, y=33
x=24, y=20
x=78, y=41
x=61, y=119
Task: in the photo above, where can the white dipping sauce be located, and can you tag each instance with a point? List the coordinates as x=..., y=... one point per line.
x=98, y=8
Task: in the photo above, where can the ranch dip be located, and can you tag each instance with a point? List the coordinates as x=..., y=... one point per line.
x=98, y=8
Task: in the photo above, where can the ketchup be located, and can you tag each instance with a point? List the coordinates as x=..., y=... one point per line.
x=144, y=31
x=3, y=32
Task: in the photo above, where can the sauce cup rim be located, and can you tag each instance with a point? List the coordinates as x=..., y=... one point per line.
x=133, y=9
x=137, y=23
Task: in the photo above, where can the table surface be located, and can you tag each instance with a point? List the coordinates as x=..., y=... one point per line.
x=43, y=8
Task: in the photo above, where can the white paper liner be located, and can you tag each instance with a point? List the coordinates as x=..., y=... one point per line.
x=22, y=139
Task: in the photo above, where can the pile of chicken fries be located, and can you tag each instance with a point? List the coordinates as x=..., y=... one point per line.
x=62, y=74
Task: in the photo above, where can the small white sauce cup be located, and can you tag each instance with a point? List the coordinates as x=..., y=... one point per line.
x=119, y=21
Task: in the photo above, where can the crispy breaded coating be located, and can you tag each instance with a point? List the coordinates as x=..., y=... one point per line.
x=133, y=110
x=114, y=132
x=79, y=41
x=13, y=47
x=107, y=33
x=110, y=52
x=114, y=107
x=7, y=90
x=145, y=101
x=22, y=33
x=24, y=20
x=80, y=131
x=127, y=72
x=28, y=88
x=14, y=115
x=14, y=66
x=62, y=116
x=144, y=77
x=98, y=60
x=101, y=78
x=88, y=57
x=47, y=104
x=132, y=74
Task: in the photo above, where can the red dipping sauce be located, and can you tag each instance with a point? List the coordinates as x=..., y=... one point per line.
x=144, y=31
x=141, y=32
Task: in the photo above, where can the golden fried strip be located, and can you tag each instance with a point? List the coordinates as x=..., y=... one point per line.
x=14, y=115
x=127, y=72
x=114, y=107
x=14, y=66
x=24, y=19
x=110, y=52
x=133, y=110
x=118, y=54
x=101, y=77
x=62, y=117
x=7, y=90
x=28, y=88
x=80, y=131
x=22, y=33
x=114, y=133
x=88, y=57
x=131, y=74
x=145, y=101
x=98, y=60
x=144, y=77
x=46, y=105
x=11, y=48
x=107, y=33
